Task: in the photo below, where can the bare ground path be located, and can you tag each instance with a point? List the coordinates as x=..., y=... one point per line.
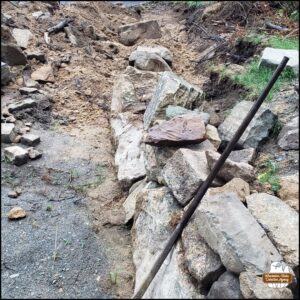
x=68, y=246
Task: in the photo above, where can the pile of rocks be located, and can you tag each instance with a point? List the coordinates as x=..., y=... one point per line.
x=165, y=149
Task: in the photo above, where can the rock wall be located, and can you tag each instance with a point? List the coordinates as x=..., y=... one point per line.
x=226, y=244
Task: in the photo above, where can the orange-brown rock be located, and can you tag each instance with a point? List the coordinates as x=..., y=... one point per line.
x=184, y=129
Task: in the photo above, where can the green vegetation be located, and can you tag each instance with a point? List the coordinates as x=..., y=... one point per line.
x=8, y=178
x=283, y=42
x=270, y=176
x=113, y=277
x=198, y=3
x=256, y=77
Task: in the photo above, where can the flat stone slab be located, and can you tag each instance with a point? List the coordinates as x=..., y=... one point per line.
x=232, y=232
x=184, y=172
x=184, y=129
x=30, y=139
x=16, y=155
x=170, y=90
x=256, y=132
x=22, y=36
x=22, y=104
x=7, y=132
x=281, y=223
x=273, y=57
x=129, y=34
x=27, y=90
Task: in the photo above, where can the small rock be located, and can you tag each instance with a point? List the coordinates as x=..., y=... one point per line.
x=205, y=145
x=131, y=33
x=236, y=185
x=288, y=138
x=16, y=213
x=252, y=287
x=34, y=153
x=230, y=168
x=7, y=132
x=213, y=136
x=163, y=52
x=38, y=56
x=6, y=75
x=31, y=83
x=22, y=37
x=244, y=155
x=28, y=124
x=10, y=119
x=273, y=57
x=16, y=155
x=27, y=90
x=149, y=62
x=231, y=231
x=256, y=132
x=30, y=139
x=37, y=14
x=23, y=104
x=281, y=222
x=18, y=190
x=184, y=129
x=43, y=74
x=12, y=194
x=17, y=139
x=12, y=55
x=226, y=287
x=289, y=190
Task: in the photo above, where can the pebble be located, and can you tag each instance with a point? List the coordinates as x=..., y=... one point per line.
x=16, y=213
x=12, y=194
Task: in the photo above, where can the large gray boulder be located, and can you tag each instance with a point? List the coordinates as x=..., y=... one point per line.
x=129, y=158
x=12, y=55
x=184, y=172
x=150, y=231
x=6, y=75
x=161, y=51
x=129, y=34
x=288, y=138
x=231, y=169
x=232, y=232
x=281, y=223
x=202, y=262
x=16, y=155
x=174, y=90
x=133, y=90
x=252, y=287
x=256, y=132
x=226, y=287
x=273, y=57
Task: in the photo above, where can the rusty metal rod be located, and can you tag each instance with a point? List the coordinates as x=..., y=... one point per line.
x=206, y=184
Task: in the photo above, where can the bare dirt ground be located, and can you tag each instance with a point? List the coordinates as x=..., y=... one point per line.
x=72, y=244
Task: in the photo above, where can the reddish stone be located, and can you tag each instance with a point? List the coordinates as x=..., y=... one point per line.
x=184, y=129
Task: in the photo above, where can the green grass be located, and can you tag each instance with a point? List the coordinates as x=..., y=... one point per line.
x=256, y=77
x=270, y=176
x=198, y=3
x=283, y=42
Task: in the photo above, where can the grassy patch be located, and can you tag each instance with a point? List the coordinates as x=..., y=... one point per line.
x=198, y=3
x=282, y=42
x=270, y=176
x=256, y=77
